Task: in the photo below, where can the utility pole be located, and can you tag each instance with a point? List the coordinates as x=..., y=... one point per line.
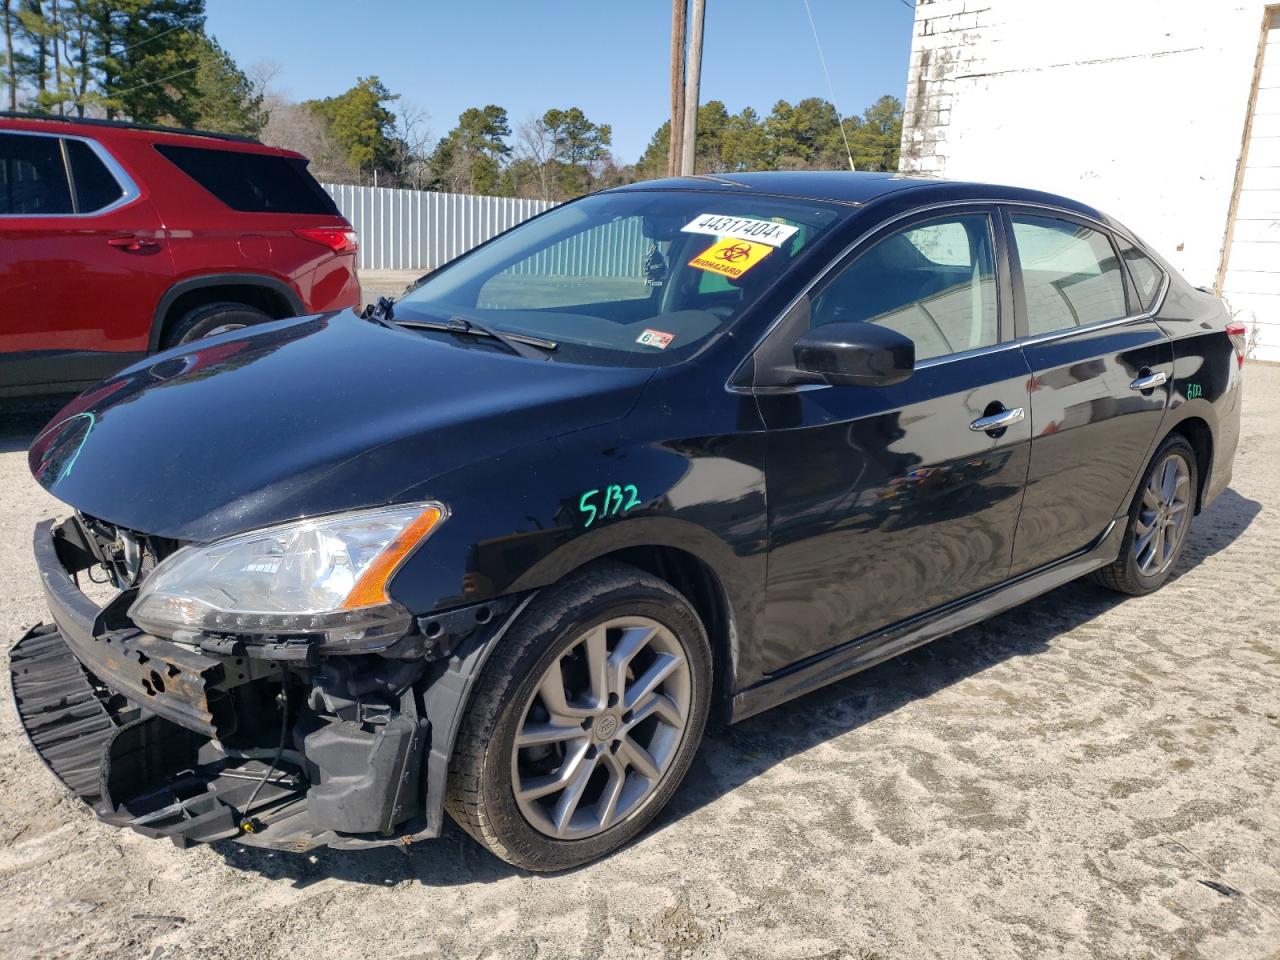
x=679, y=14
x=693, y=78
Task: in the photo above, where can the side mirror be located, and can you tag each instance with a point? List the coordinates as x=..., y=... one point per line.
x=856, y=355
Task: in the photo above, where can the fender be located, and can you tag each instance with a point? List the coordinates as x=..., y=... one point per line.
x=260, y=280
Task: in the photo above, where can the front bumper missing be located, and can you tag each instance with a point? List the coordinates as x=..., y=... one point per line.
x=154, y=736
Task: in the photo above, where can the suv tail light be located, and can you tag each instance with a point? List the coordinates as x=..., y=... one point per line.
x=337, y=239
x=1239, y=335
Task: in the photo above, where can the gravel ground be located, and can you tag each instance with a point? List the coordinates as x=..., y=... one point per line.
x=1082, y=777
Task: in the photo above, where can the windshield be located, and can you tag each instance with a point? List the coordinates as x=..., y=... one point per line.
x=625, y=279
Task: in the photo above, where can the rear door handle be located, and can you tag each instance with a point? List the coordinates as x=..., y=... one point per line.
x=131, y=242
x=1150, y=381
x=998, y=421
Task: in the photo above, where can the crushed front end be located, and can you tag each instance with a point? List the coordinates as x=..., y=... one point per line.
x=275, y=739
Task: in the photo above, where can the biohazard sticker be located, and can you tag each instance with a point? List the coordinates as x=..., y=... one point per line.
x=655, y=338
x=731, y=258
x=741, y=228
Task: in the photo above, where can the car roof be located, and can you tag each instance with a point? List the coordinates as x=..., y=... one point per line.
x=860, y=188
x=107, y=130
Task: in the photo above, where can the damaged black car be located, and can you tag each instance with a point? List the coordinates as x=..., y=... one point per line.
x=674, y=452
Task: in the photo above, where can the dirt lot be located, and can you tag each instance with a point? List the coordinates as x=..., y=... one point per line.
x=1082, y=777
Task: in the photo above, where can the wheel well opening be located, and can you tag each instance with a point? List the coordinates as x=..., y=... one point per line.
x=1200, y=437
x=702, y=588
x=273, y=304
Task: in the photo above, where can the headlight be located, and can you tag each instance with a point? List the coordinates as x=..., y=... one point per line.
x=323, y=578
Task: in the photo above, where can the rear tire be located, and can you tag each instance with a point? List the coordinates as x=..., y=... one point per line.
x=1158, y=523
x=210, y=319
x=619, y=765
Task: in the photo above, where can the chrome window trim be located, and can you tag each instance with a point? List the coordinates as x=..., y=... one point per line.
x=1156, y=305
x=1157, y=302
x=122, y=179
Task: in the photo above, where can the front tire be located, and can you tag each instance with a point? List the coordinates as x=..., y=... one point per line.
x=584, y=721
x=1159, y=519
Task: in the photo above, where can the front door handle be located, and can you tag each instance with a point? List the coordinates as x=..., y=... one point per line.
x=998, y=421
x=131, y=242
x=1149, y=381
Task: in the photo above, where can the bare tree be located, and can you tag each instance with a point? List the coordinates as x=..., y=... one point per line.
x=412, y=145
x=295, y=126
x=535, y=142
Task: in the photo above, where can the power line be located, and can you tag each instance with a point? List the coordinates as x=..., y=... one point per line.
x=152, y=83
x=830, y=87
x=155, y=37
x=908, y=4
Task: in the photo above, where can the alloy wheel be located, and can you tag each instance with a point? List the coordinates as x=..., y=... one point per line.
x=1163, y=516
x=601, y=729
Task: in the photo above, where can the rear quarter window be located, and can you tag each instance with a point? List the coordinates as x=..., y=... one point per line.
x=252, y=182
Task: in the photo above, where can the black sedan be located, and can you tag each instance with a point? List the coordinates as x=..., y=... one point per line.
x=681, y=449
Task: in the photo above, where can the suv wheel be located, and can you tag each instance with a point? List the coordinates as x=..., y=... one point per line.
x=1158, y=521
x=212, y=319
x=583, y=722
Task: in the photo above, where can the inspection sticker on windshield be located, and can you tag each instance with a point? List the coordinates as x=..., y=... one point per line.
x=655, y=338
x=741, y=228
x=731, y=258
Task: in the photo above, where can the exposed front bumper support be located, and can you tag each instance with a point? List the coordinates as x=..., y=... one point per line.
x=154, y=734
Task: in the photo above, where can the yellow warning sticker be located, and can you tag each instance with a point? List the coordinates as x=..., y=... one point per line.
x=731, y=257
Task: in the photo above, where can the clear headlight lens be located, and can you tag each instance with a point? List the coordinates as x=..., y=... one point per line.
x=324, y=577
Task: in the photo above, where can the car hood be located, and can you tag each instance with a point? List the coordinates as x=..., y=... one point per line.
x=304, y=417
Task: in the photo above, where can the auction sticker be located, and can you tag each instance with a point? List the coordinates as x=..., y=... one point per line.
x=655, y=338
x=741, y=228
x=731, y=258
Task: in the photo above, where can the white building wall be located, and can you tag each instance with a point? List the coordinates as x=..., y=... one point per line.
x=1136, y=107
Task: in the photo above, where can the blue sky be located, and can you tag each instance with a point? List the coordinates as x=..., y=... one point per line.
x=609, y=57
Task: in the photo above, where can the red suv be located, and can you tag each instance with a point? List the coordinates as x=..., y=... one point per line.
x=117, y=240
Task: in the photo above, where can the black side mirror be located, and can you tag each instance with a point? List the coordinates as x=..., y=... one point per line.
x=856, y=355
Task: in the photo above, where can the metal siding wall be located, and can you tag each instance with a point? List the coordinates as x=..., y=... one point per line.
x=420, y=230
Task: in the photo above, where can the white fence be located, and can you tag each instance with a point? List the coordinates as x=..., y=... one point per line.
x=419, y=230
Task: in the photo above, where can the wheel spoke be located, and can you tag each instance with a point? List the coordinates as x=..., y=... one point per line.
x=597, y=649
x=1157, y=548
x=1151, y=496
x=538, y=787
x=607, y=805
x=1177, y=507
x=1169, y=480
x=554, y=697
x=639, y=759
x=567, y=805
x=661, y=668
x=632, y=642
x=657, y=704
x=533, y=734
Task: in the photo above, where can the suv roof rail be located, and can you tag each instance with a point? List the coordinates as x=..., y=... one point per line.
x=127, y=125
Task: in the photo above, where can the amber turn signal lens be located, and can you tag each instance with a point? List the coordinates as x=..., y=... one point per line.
x=371, y=588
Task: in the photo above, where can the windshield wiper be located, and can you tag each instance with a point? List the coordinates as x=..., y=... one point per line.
x=517, y=343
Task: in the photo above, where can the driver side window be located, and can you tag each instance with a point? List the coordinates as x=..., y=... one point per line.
x=934, y=282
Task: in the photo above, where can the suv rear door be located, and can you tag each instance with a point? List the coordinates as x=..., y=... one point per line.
x=1097, y=359
x=83, y=261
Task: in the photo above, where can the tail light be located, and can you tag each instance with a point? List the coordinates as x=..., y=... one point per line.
x=337, y=239
x=1239, y=335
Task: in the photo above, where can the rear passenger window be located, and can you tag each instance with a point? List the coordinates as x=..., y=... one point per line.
x=1147, y=275
x=33, y=178
x=95, y=186
x=252, y=182
x=934, y=283
x=1070, y=274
